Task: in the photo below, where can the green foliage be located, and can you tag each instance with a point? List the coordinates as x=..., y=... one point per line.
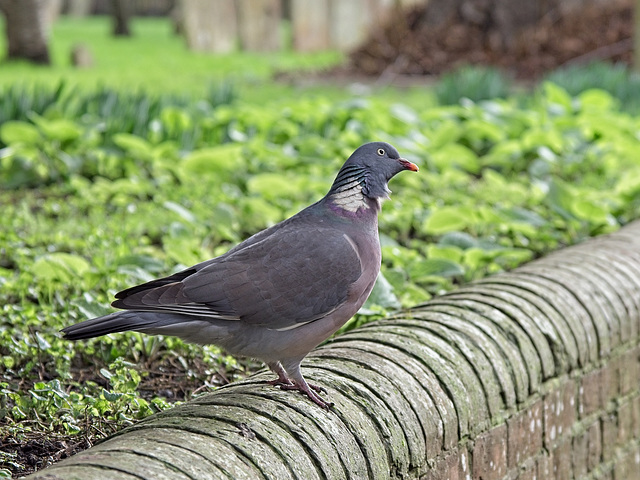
x=473, y=82
x=87, y=213
x=49, y=406
x=618, y=80
x=56, y=109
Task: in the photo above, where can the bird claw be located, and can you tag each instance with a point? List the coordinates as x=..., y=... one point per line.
x=317, y=388
x=310, y=391
x=280, y=382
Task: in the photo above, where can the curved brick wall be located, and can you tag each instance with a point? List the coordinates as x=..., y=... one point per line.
x=530, y=374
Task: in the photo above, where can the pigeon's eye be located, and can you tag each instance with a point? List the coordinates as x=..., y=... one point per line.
x=380, y=152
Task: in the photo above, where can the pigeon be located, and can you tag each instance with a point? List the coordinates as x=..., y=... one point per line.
x=283, y=291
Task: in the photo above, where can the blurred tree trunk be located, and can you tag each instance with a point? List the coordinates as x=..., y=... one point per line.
x=210, y=25
x=176, y=15
x=310, y=22
x=636, y=37
x=121, y=17
x=79, y=8
x=27, y=29
x=259, y=24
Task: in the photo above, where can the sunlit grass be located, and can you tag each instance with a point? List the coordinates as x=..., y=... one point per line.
x=155, y=60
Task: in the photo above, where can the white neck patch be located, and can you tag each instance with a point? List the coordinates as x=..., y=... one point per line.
x=350, y=197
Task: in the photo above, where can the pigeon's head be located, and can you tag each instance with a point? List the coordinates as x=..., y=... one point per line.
x=372, y=165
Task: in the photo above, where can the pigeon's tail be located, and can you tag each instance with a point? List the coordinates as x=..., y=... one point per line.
x=112, y=323
x=190, y=328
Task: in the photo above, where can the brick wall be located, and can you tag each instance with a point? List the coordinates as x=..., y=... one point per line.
x=582, y=421
x=583, y=425
x=530, y=374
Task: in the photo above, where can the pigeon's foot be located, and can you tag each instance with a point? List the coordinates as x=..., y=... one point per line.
x=282, y=379
x=281, y=382
x=290, y=378
x=310, y=391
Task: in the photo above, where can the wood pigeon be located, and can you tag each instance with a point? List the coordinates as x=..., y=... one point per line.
x=281, y=292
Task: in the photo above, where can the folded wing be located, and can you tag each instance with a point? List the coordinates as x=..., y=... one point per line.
x=289, y=278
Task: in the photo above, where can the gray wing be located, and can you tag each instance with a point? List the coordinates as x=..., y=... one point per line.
x=297, y=274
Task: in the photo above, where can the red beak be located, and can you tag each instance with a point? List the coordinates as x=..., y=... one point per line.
x=408, y=165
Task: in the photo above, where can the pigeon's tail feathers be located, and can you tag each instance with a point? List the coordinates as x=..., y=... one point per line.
x=112, y=323
x=190, y=329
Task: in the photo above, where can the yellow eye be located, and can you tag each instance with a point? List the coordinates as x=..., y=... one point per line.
x=380, y=152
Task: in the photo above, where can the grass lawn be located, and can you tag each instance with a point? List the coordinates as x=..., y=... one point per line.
x=157, y=61
x=153, y=59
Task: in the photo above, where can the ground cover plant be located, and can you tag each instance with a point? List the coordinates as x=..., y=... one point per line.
x=102, y=187
x=85, y=214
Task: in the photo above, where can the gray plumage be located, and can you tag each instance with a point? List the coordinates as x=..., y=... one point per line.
x=281, y=292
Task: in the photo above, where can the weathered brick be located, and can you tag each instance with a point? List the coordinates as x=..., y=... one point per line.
x=605, y=473
x=620, y=470
x=489, y=457
x=528, y=470
x=635, y=415
x=609, y=381
x=594, y=449
x=579, y=454
x=590, y=400
x=627, y=466
x=562, y=460
x=634, y=459
x=454, y=465
x=625, y=422
x=560, y=408
x=524, y=432
x=629, y=371
x=544, y=465
x=609, y=426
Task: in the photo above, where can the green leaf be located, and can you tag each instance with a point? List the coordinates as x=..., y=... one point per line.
x=60, y=129
x=135, y=146
x=90, y=309
x=218, y=161
x=175, y=120
x=512, y=257
x=404, y=113
x=475, y=258
x=15, y=131
x=461, y=240
x=63, y=267
x=596, y=99
x=446, y=133
x=273, y=186
x=382, y=295
x=561, y=197
x=111, y=396
x=449, y=252
x=181, y=211
x=520, y=214
x=557, y=95
x=423, y=269
x=629, y=184
x=585, y=209
x=453, y=154
x=146, y=262
x=448, y=219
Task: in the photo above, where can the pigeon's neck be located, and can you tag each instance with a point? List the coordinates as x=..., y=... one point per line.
x=347, y=194
x=349, y=198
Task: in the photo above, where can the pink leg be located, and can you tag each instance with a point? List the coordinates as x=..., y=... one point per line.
x=282, y=379
x=297, y=382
